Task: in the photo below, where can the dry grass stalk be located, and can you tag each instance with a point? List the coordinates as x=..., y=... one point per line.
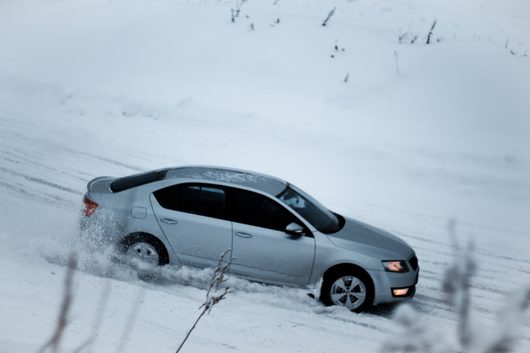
x=218, y=278
x=330, y=14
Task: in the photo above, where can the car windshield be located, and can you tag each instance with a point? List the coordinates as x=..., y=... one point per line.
x=310, y=209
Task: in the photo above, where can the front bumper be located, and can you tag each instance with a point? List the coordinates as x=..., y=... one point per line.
x=385, y=282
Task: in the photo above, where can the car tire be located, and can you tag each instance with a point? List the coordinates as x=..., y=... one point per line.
x=349, y=288
x=146, y=248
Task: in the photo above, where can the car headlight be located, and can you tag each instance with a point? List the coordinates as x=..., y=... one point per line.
x=395, y=266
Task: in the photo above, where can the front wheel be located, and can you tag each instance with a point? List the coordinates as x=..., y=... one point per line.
x=347, y=288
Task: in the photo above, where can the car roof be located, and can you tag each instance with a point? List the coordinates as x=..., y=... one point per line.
x=265, y=183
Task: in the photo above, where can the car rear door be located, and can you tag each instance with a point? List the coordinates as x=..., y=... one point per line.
x=193, y=218
x=261, y=248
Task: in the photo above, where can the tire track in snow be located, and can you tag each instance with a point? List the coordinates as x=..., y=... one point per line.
x=22, y=189
x=106, y=160
x=25, y=163
x=21, y=159
x=435, y=255
x=17, y=132
x=41, y=181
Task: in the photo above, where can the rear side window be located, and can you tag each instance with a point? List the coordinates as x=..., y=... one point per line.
x=131, y=181
x=168, y=197
x=257, y=210
x=204, y=200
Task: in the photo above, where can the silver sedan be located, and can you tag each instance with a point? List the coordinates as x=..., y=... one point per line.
x=277, y=233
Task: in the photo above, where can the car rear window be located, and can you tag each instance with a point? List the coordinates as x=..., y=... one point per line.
x=132, y=181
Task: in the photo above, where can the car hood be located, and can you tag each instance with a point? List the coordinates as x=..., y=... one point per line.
x=358, y=236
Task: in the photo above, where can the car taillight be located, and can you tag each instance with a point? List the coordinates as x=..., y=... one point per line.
x=90, y=206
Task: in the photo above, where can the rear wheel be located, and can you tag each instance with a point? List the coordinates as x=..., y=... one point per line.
x=144, y=252
x=348, y=288
x=145, y=248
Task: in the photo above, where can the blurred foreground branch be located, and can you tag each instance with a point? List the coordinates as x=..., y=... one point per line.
x=419, y=334
x=62, y=321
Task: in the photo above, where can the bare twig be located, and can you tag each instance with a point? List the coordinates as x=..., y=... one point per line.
x=430, y=33
x=456, y=284
x=131, y=320
x=62, y=321
x=330, y=14
x=467, y=269
x=234, y=12
x=211, y=298
x=510, y=319
x=191, y=330
x=402, y=36
x=98, y=319
x=396, y=61
x=218, y=278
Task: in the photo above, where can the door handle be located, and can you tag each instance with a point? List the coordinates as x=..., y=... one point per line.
x=243, y=235
x=168, y=220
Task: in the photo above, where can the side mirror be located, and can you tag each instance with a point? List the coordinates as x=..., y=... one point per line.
x=294, y=229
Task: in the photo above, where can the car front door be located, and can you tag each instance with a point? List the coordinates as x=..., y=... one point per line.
x=193, y=218
x=261, y=248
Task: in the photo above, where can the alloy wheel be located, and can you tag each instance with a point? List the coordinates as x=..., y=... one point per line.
x=144, y=252
x=348, y=291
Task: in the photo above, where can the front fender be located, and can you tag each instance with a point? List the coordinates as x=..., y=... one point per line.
x=328, y=255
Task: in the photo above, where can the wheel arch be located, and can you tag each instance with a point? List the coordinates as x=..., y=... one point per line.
x=350, y=267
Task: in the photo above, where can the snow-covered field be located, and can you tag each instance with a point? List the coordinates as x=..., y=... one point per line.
x=417, y=135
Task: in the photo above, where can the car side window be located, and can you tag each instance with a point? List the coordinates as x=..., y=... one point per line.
x=257, y=210
x=204, y=200
x=168, y=197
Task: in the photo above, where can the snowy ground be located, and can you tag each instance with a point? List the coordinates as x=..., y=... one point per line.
x=419, y=134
